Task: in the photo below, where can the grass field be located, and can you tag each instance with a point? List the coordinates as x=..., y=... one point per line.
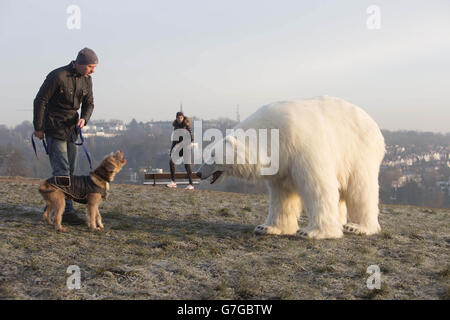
x=162, y=243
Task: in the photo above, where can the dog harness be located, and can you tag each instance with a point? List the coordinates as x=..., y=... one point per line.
x=77, y=187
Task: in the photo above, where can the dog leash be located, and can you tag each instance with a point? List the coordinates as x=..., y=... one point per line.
x=78, y=144
x=84, y=147
x=34, y=145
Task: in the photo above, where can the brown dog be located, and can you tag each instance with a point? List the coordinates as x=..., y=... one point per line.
x=94, y=187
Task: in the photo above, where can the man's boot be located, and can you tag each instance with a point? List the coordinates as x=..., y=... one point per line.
x=69, y=215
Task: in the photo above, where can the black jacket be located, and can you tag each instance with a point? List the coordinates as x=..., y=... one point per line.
x=186, y=124
x=58, y=100
x=79, y=188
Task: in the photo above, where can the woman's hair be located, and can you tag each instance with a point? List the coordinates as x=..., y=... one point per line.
x=186, y=121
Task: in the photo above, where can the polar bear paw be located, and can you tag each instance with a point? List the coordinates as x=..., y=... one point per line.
x=302, y=233
x=353, y=228
x=318, y=234
x=263, y=229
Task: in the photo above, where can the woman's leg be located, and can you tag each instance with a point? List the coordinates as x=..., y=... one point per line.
x=189, y=172
x=172, y=170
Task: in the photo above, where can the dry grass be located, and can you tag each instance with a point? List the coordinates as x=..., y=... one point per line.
x=178, y=244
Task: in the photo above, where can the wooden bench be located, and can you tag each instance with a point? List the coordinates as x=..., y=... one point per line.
x=152, y=178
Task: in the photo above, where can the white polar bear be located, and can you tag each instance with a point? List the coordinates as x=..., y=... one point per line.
x=330, y=153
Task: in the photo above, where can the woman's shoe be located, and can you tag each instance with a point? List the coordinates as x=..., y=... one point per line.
x=172, y=185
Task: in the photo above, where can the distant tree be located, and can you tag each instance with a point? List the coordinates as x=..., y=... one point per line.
x=5, y=135
x=388, y=176
x=444, y=173
x=447, y=200
x=436, y=199
x=2, y=157
x=25, y=129
x=13, y=163
x=133, y=124
x=410, y=193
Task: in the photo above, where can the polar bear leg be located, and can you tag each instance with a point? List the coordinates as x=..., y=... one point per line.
x=342, y=212
x=362, y=203
x=284, y=211
x=320, y=196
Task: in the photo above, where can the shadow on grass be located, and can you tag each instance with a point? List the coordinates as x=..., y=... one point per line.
x=152, y=225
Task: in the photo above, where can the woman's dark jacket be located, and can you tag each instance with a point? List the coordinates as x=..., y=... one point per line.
x=186, y=124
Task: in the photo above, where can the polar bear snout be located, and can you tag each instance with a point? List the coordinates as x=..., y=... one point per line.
x=216, y=175
x=207, y=171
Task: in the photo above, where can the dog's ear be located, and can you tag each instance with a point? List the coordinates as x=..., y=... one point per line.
x=119, y=155
x=108, y=156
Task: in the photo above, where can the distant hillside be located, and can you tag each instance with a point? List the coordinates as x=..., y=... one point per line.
x=146, y=146
x=160, y=243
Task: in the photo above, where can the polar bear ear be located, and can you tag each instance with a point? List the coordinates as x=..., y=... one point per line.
x=231, y=139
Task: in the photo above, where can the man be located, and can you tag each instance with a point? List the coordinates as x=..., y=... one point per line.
x=56, y=117
x=181, y=122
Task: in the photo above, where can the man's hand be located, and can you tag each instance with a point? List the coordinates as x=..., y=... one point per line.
x=81, y=123
x=39, y=134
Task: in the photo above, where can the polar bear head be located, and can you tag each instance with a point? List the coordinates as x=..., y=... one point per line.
x=239, y=156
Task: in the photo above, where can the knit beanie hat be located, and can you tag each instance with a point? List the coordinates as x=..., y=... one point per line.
x=86, y=56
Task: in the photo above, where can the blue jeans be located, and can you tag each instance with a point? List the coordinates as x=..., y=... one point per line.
x=63, y=156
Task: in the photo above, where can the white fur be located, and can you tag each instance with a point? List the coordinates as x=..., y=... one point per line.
x=329, y=159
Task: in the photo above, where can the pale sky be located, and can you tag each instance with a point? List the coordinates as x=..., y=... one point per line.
x=213, y=55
